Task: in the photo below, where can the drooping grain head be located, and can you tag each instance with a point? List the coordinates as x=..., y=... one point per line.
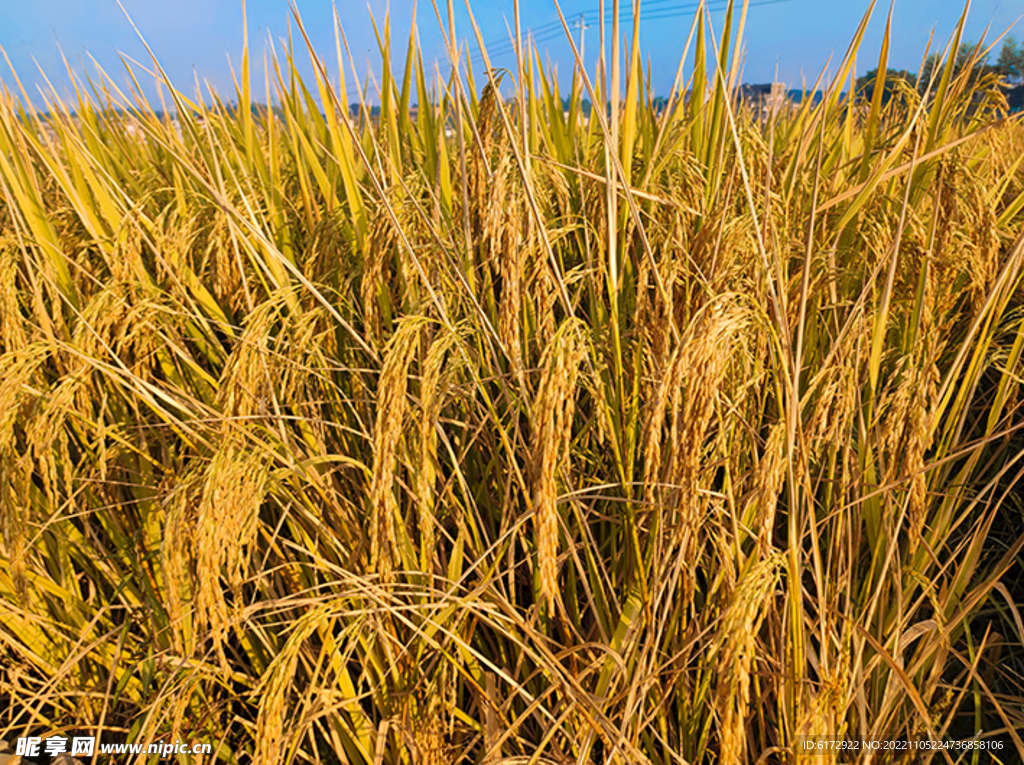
x=551, y=419
x=392, y=405
x=232, y=491
x=438, y=370
x=13, y=328
x=737, y=645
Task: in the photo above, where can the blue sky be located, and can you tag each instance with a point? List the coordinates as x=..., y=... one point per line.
x=195, y=37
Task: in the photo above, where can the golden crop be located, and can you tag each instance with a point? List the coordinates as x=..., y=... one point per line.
x=494, y=431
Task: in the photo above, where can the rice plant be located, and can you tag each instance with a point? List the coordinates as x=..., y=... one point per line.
x=501, y=431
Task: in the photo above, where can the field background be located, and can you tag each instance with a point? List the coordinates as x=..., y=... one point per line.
x=488, y=431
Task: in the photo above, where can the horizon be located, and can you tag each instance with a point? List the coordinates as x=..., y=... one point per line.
x=99, y=29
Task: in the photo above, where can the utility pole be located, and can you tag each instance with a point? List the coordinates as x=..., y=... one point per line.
x=582, y=25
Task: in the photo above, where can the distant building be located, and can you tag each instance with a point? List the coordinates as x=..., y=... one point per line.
x=768, y=98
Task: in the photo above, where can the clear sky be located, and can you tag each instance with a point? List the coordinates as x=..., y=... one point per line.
x=195, y=37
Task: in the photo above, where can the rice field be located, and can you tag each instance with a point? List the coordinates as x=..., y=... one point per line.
x=498, y=430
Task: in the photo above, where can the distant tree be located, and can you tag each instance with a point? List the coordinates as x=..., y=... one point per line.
x=866, y=83
x=969, y=54
x=1011, y=59
x=927, y=69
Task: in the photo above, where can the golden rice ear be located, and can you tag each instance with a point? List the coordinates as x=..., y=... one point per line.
x=551, y=421
x=905, y=433
x=684, y=401
x=392, y=405
x=735, y=648
x=769, y=477
x=14, y=330
x=276, y=689
x=232, y=492
x=423, y=719
x=439, y=368
x=376, y=279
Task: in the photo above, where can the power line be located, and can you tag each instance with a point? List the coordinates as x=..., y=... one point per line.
x=553, y=30
x=625, y=13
